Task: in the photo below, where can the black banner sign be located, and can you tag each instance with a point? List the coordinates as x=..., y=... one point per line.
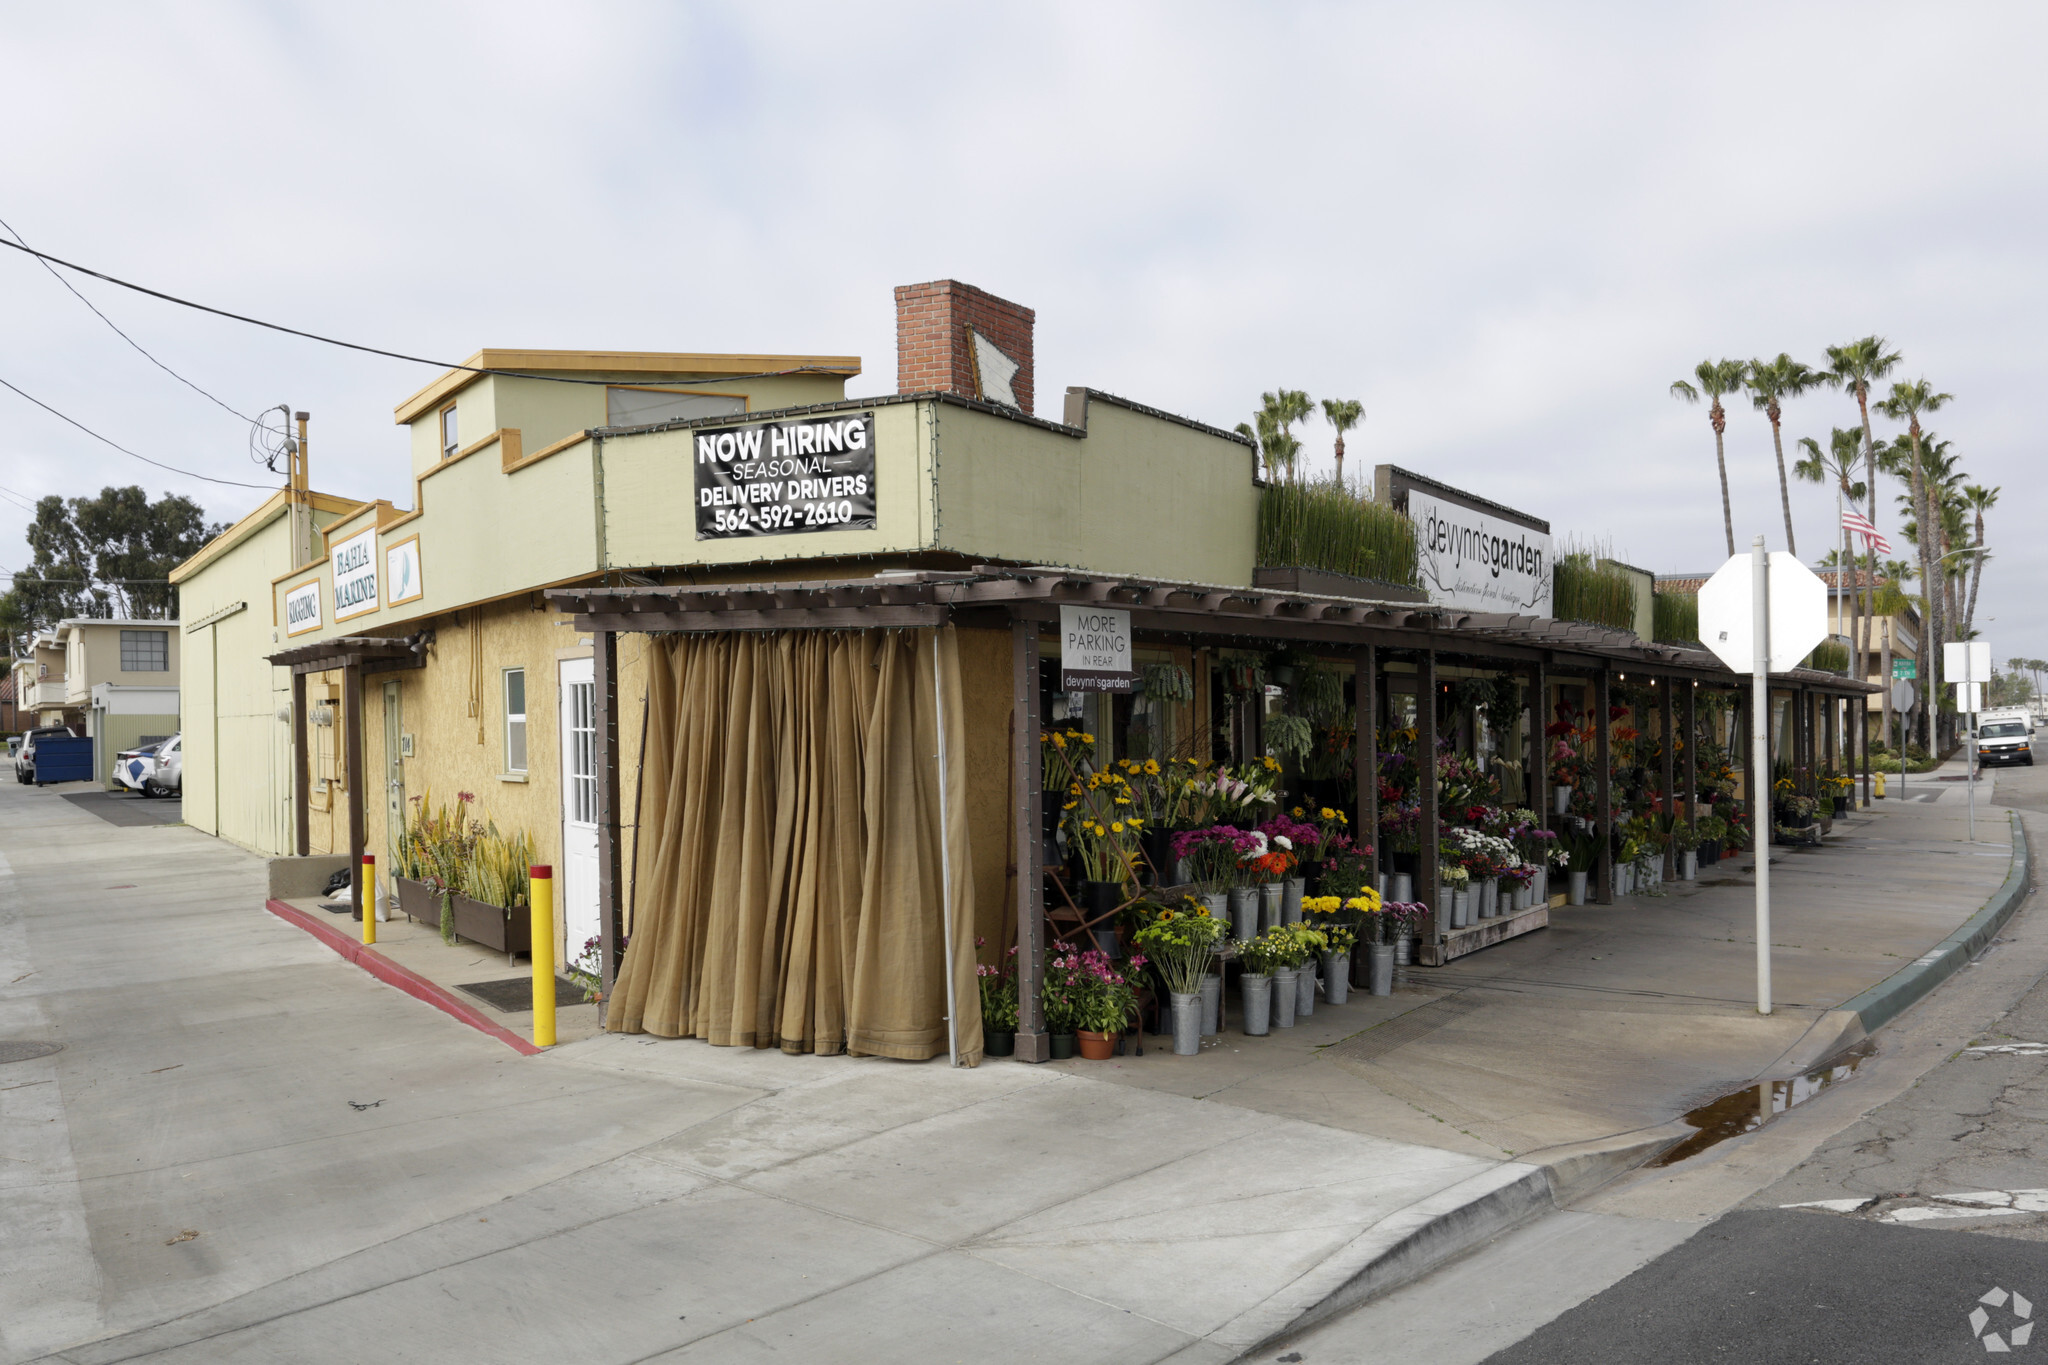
x=780, y=478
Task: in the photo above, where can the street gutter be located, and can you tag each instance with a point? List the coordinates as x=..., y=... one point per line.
x=1862, y=1015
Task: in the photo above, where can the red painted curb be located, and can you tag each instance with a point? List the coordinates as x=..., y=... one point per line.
x=389, y=972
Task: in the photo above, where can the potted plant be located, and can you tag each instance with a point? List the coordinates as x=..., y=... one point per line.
x=1210, y=857
x=998, y=984
x=1299, y=840
x=1060, y=998
x=1107, y=998
x=587, y=971
x=490, y=899
x=1338, y=919
x=1255, y=983
x=1181, y=942
x=1313, y=943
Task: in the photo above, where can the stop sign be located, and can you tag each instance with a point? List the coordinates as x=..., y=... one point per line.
x=1798, y=612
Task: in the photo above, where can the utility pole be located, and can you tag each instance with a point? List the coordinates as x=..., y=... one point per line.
x=302, y=480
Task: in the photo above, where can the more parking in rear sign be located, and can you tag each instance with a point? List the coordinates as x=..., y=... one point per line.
x=784, y=478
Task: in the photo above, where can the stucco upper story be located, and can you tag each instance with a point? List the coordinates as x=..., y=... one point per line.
x=140, y=653
x=531, y=488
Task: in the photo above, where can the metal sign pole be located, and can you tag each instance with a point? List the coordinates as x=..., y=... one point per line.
x=1760, y=751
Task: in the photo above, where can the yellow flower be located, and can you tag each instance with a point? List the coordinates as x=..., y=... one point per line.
x=1123, y=800
x=1329, y=814
x=1135, y=822
x=1070, y=805
x=1272, y=765
x=1151, y=767
x=1087, y=739
x=1299, y=812
x=1117, y=827
x=1059, y=741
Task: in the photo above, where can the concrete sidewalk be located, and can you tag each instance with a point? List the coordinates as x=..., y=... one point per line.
x=248, y=1149
x=251, y=1150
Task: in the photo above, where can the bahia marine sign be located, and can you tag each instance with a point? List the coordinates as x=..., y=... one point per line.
x=781, y=478
x=1468, y=559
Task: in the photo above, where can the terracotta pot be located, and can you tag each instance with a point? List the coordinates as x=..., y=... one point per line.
x=1097, y=1047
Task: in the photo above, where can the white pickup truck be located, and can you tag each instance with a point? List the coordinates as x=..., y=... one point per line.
x=2005, y=736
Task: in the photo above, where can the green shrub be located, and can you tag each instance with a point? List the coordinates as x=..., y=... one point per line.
x=1829, y=656
x=1320, y=524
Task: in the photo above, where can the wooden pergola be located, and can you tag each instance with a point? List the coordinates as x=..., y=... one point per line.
x=1027, y=600
x=355, y=656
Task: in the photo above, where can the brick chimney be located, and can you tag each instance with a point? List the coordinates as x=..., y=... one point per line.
x=958, y=339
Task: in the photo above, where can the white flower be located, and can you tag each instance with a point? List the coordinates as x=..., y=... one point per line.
x=1283, y=841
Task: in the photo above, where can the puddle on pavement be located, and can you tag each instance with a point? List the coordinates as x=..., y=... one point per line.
x=1750, y=1108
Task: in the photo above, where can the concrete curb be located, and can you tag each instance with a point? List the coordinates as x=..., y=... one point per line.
x=391, y=974
x=1862, y=1015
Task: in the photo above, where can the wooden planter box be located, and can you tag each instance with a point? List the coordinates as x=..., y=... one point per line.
x=508, y=931
x=419, y=901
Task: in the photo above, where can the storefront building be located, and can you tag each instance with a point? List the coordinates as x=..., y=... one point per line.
x=763, y=670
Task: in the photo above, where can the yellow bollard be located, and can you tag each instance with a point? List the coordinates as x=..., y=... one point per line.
x=366, y=897
x=542, y=900
x=1880, y=785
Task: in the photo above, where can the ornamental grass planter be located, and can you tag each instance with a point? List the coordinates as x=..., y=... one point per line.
x=1256, y=989
x=493, y=926
x=419, y=900
x=1097, y=1047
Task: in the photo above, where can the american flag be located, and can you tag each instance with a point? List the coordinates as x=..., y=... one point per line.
x=1857, y=524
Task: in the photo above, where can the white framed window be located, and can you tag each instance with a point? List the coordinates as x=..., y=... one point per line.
x=145, y=651
x=515, y=720
x=449, y=441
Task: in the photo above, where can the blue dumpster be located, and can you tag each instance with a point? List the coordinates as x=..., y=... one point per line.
x=63, y=759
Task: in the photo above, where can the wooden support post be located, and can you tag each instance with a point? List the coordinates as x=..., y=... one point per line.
x=1669, y=774
x=1603, y=790
x=1426, y=888
x=1026, y=799
x=352, y=742
x=1366, y=758
x=302, y=771
x=1692, y=767
x=611, y=918
x=1538, y=757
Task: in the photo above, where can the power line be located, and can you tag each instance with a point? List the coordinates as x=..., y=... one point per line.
x=232, y=483
x=123, y=335
x=376, y=350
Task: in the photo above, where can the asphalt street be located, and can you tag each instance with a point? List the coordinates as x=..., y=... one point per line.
x=1902, y=1217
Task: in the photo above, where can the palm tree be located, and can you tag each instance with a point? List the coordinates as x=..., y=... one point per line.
x=1838, y=467
x=1855, y=367
x=1716, y=379
x=1278, y=412
x=1343, y=414
x=1979, y=500
x=1908, y=400
x=1770, y=382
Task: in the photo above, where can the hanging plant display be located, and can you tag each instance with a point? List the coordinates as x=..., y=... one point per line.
x=1169, y=682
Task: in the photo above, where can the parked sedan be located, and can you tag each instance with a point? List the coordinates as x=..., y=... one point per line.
x=135, y=769
x=154, y=770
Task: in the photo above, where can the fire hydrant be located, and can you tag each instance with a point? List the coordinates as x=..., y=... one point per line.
x=1880, y=785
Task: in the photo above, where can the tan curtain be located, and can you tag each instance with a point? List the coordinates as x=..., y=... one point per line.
x=789, y=869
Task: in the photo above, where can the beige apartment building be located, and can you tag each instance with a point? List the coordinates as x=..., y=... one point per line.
x=112, y=680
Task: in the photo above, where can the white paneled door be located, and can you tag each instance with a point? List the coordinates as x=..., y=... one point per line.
x=578, y=881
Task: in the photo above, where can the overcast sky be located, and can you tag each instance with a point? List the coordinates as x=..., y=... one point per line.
x=1506, y=228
